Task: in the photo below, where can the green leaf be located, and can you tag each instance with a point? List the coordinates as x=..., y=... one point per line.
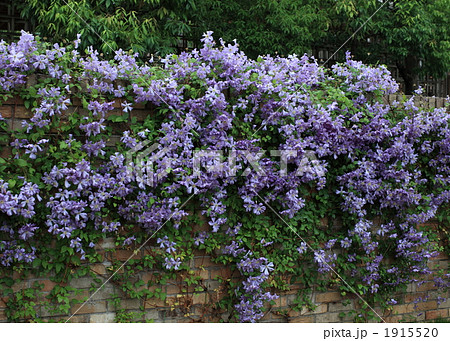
x=58, y=267
x=118, y=118
x=11, y=183
x=21, y=162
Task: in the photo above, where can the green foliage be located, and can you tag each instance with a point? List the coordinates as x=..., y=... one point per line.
x=264, y=27
x=316, y=222
x=143, y=26
x=413, y=35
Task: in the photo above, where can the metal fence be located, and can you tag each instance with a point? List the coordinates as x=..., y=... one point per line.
x=421, y=101
x=10, y=21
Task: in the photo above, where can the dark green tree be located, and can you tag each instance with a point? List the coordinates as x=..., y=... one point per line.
x=264, y=26
x=413, y=35
x=144, y=26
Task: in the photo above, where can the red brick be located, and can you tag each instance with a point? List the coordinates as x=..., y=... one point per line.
x=204, y=262
x=294, y=313
x=14, y=100
x=377, y=221
x=324, y=222
x=199, y=253
x=19, y=286
x=22, y=112
x=99, y=269
x=221, y=273
x=283, y=301
x=90, y=307
x=101, y=255
x=48, y=285
x=302, y=319
x=17, y=124
x=402, y=309
x=117, y=103
x=443, y=264
x=79, y=319
x=339, y=306
x=427, y=286
x=122, y=255
x=441, y=255
x=295, y=287
x=277, y=303
x=328, y=297
x=76, y=101
x=5, y=152
x=204, y=274
x=148, y=277
x=199, y=298
x=269, y=316
x=140, y=105
x=68, y=112
x=393, y=319
x=173, y=289
x=3, y=302
x=2, y=315
x=412, y=297
x=154, y=302
x=434, y=314
x=201, y=227
x=114, y=112
x=322, y=308
x=429, y=224
x=152, y=288
x=83, y=295
x=5, y=111
x=141, y=115
x=426, y=305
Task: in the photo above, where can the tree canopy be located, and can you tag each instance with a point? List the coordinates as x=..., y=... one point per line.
x=144, y=26
x=413, y=35
x=264, y=26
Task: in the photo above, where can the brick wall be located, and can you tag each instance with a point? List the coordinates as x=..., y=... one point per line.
x=14, y=111
x=184, y=303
